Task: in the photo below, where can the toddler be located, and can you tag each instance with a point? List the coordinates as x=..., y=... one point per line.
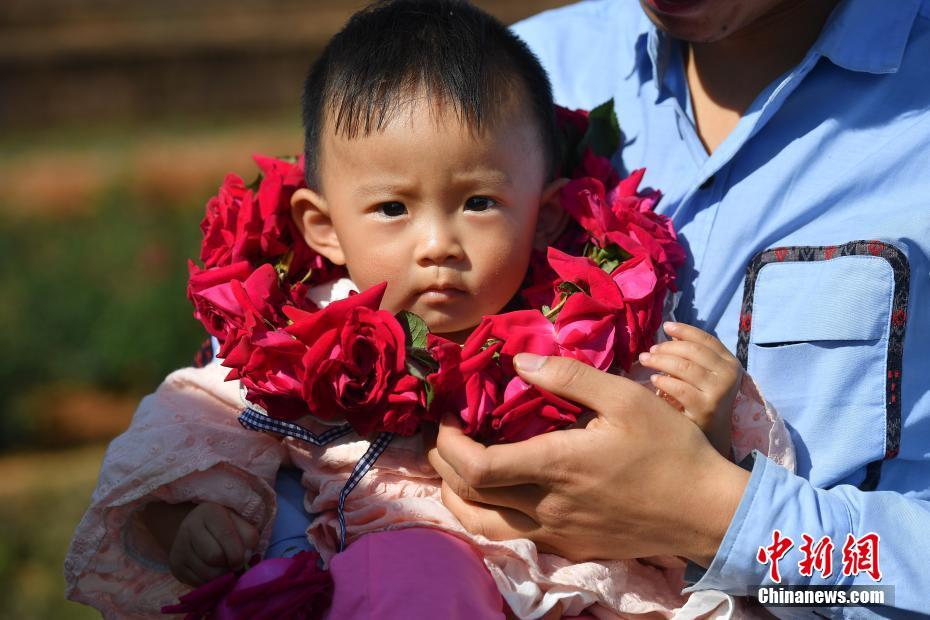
x=431, y=151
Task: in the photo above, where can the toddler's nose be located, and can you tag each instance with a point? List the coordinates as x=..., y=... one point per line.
x=439, y=245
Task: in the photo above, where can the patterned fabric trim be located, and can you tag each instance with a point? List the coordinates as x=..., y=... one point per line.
x=361, y=468
x=255, y=421
x=895, y=357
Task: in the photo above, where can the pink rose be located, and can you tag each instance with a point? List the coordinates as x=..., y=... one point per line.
x=586, y=330
x=293, y=588
x=632, y=293
x=203, y=601
x=354, y=367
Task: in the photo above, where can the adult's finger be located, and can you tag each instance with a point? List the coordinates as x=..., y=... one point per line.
x=574, y=380
x=524, y=497
x=501, y=465
x=492, y=523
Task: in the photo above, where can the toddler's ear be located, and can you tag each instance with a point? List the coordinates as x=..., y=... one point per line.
x=311, y=214
x=552, y=217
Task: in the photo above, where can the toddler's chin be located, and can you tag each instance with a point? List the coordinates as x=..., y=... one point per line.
x=456, y=331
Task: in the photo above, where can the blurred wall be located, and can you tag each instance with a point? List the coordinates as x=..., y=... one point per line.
x=77, y=61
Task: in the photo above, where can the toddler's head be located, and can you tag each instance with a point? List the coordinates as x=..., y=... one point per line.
x=430, y=149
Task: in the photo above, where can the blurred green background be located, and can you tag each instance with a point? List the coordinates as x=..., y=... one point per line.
x=118, y=119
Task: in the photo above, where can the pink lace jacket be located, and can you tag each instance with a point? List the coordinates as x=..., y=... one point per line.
x=185, y=444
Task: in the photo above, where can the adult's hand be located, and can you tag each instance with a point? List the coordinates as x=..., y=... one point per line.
x=638, y=480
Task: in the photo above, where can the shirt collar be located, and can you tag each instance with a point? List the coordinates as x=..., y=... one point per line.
x=861, y=35
x=868, y=35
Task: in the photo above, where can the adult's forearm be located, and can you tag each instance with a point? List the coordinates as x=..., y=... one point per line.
x=710, y=500
x=777, y=499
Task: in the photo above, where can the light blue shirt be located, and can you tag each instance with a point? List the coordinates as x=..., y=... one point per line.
x=834, y=151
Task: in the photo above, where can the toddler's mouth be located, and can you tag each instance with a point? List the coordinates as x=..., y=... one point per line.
x=441, y=293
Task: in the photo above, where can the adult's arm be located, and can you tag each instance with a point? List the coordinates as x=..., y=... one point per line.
x=640, y=480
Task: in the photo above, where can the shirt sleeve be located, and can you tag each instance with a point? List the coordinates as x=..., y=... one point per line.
x=184, y=445
x=778, y=500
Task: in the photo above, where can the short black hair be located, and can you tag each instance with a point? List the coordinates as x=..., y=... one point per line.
x=456, y=52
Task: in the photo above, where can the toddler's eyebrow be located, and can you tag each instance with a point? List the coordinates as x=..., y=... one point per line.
x=378, y=189
x=483, y=177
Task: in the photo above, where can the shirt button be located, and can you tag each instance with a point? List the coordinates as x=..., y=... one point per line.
x=707, y=183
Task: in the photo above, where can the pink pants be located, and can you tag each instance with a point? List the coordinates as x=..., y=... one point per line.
x=410, y=574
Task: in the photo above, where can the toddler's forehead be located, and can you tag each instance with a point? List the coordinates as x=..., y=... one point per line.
x=435, y=122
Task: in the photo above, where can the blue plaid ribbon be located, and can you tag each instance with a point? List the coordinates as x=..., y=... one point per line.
x=253, y=420
x=361, y=468
x=256, y=421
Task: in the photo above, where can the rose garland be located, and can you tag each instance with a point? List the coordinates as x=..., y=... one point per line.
x=595, y=296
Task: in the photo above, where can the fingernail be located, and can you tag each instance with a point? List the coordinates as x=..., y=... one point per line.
x=653, y=348
x=669, y=326
x=528, y=362
x=644, y=357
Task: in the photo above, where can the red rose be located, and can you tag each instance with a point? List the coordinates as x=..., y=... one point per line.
x=575, y=121
x=268, y=363
x=587, y=275
x=222, y=299
x=232, y=226
x=478, y=382
x=597, y=167
x=625, y=217
x=280, y=179
x=467, y=380
x=528, y=411
x=354, y=367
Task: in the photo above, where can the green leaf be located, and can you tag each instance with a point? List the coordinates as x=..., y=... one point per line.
x=423, y=358
x=570, y=288
x=430, y=393
x=416, y=370
x=415, y=328
x=603, y=135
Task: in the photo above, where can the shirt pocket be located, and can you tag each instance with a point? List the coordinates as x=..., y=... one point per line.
x=815, y=334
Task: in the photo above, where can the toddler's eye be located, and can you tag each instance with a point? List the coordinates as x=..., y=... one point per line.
x=392, y=209
x=479, y=203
